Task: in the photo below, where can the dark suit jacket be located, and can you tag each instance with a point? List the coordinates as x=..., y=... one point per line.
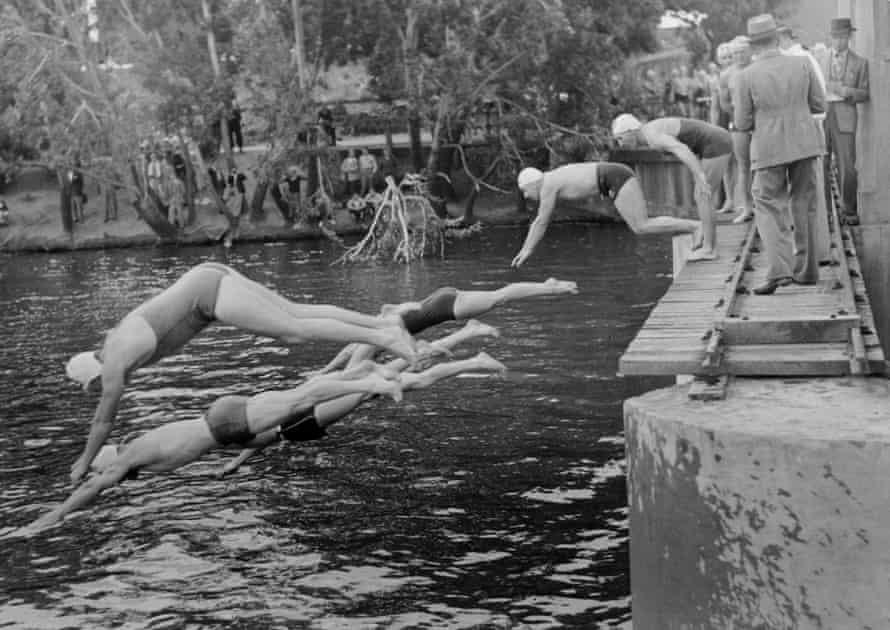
x=855, y=82
x=776, y=97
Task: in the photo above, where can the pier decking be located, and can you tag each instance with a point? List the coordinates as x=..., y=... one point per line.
x=710, y=324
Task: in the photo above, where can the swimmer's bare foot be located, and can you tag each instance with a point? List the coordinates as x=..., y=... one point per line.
x=488, y=363
x=384, y=387
x=725, y=210
x=701, y=254
x=427, y=350
x=479, y=329
x=558, y=287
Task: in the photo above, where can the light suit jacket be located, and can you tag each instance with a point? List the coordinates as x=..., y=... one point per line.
x=855, y=80
x=775, y=98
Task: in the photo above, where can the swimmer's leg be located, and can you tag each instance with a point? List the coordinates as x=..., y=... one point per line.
x=248, y=288
x=631, y=205
x=481, y=362
x=714, y=169
x=475, y=303
x=263, y=316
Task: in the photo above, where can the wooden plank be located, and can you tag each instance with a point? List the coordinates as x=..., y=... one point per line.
x=806, y=329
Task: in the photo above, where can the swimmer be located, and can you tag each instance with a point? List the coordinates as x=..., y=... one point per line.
x=704, y=148
x=449, y=304
x=229, y=421
x=205, y=294
x=313, y=424
x=576, y=182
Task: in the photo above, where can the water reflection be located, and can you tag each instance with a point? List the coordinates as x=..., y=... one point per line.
x=481, y=503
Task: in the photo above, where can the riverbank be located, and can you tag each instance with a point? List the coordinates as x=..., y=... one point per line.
x=35, y=221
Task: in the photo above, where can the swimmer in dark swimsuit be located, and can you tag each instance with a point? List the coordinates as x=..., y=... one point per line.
x=446, y=305
x=578, y=182
x=704, y=148
x=210, y=293
x=230, y=420
x=312, y=425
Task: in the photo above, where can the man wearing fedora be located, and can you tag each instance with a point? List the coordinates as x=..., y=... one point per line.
x=846, y=76
x=775, y=98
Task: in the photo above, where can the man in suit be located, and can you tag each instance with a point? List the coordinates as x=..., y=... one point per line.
x=846, y=76
x=775, y=98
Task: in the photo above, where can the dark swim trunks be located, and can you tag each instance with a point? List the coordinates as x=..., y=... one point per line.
x=302, y=427
x=435, y=309
x=704, y=139
x=184, y=309
x=227, y=420
x=611, y=177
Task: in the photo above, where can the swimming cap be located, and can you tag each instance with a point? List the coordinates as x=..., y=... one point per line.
x=528, y=176
x=624, y=123
x=83, y=368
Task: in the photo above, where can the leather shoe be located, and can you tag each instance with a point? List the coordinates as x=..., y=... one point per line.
x=769, y=287
x=851, y=219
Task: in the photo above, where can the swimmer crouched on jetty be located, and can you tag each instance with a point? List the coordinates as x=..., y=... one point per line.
x=205, y=294
x=578, y=182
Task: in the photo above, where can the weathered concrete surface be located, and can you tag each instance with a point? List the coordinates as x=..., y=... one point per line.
x=768, y=510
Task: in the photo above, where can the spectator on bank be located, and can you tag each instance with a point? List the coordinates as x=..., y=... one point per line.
x=326, y=122
x=291, y=191
x=652, y=88
x=367, y=165
x=78, y=194
x=235, y=135
x=349, y=170
x=154, y=173
x=680, y=92
x=388, y=167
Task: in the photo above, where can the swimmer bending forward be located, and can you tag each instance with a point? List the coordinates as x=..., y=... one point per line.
x=577, y=182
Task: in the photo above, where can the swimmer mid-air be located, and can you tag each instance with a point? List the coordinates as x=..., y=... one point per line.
x=229, y=421
x=578, y=182
x=449, y=304
x=205, y=294
x=312, y=425
x=254, y=421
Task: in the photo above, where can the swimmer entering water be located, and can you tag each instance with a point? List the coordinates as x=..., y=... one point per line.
x=205, y=294
x=578, y=182
x=313, y=425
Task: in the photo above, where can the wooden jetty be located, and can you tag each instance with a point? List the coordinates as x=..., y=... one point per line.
x=710, y=325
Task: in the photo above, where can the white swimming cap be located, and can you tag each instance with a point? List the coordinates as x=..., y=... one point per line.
x=83, y=368
x=528, y=176
x=624, y=123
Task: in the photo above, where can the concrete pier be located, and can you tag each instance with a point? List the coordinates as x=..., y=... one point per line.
x=769, y=509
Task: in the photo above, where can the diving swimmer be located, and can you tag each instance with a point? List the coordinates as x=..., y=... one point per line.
x=576, y=182
x=205, y=294
x=313, y=424
x=229, y=421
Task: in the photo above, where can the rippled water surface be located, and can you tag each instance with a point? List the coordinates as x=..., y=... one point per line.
x=478, y=503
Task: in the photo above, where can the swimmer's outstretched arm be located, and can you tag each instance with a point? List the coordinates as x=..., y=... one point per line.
x=337, y=362
x=538, y=227
x=85, y=494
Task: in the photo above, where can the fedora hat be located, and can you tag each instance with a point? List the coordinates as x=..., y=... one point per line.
x=761, y=27
x=842, y=25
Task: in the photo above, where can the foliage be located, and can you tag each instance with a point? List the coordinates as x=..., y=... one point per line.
x=725, y=19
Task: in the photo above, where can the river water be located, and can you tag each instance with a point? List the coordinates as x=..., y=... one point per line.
x=479, y=503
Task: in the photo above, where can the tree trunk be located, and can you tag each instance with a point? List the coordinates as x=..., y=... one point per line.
x=470, y=206
x=217, y=72
x=280, y=203
x=416, y=143
x=257, y=212
x=65, y=202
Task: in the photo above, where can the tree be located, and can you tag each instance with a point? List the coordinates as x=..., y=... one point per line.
x=726, y=19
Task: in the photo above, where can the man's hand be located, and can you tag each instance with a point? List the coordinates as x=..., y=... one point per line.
x=520, y=258
x=79, y=470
